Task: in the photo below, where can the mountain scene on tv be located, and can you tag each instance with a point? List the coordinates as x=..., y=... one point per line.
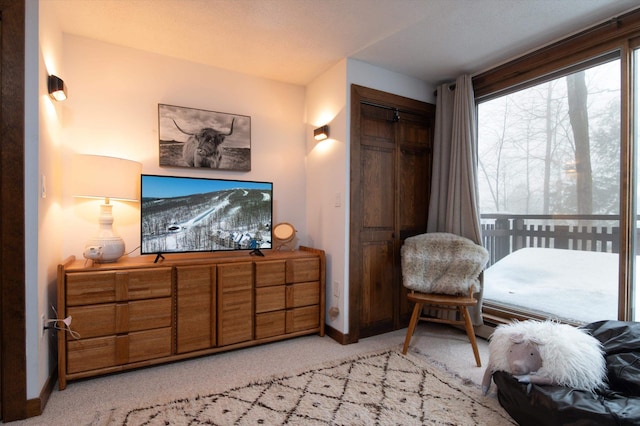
x=226, y=219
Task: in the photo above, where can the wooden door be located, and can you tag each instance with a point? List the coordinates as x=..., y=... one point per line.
x=377, y=221
x=13, y=364
x=390, y=182
x=415, y=139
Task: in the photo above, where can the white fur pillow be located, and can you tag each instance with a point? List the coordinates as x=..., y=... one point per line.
x=444, y=263
x=570, y=356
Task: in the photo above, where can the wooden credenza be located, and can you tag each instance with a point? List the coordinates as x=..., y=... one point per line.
x=136, y=313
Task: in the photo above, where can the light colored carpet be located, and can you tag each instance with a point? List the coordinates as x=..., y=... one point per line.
x=379, y=388
x=84, y=402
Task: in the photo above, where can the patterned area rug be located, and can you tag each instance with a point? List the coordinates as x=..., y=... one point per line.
x=381, y=388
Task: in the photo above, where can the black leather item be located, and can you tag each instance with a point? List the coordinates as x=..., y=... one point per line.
x=558, y=405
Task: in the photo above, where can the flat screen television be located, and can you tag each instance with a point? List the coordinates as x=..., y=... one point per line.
x=187, y=214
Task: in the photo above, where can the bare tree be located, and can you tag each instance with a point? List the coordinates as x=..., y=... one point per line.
x=579, y=118
x=548, y=149
x=493, y=177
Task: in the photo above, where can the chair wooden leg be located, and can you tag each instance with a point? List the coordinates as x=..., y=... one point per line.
x=470, y=333
x=415, y=316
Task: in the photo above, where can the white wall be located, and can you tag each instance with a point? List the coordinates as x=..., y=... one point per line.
x=43, y=239
x=384, y=80
x=328, y=101
x=327, y=176
x=114, y=94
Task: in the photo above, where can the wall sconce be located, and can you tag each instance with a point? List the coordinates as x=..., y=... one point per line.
x=57, y=88
x=321, y=133
x=109, y=178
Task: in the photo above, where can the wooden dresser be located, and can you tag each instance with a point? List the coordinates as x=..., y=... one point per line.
x=136, y=313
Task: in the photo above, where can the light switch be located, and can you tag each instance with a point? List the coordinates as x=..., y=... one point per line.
x=43, y=186
x=337, y=200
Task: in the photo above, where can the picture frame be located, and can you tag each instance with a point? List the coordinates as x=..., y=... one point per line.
x=197, y=138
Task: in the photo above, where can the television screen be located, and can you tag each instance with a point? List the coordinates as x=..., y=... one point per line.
x=185, y=214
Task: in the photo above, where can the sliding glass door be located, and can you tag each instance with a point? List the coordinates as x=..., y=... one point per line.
x=549, y=181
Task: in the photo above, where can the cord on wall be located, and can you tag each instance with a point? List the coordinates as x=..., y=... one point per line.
x=66, y=324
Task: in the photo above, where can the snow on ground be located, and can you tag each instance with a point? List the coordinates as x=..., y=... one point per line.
x=569, y=284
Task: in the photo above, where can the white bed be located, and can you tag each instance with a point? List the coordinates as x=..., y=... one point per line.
x=569, y=284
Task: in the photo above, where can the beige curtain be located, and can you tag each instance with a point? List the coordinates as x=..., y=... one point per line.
x=453, y=206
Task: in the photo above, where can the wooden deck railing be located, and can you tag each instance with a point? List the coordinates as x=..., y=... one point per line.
x=505, y=233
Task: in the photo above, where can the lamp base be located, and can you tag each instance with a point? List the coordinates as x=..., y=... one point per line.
x=104, y=249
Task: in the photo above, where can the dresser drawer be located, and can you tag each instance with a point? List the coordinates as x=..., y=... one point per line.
x=270, y=298
x=84, y=288
x=303, y=294
x=270, y=324
x=93, y=320
x=149, y=314
x=91, y=354
x=113, y=318
x=235, y=276
x=301, y=270
x=109, y=351
x=301, y=319
x=149, y=344
x=149, y=283
x=272, y=272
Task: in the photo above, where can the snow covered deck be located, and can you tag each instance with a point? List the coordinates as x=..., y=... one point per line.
x=569, y=284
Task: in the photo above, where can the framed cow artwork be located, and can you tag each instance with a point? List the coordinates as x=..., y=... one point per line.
x=192, y=137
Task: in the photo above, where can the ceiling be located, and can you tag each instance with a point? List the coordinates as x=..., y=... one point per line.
x=294, y=41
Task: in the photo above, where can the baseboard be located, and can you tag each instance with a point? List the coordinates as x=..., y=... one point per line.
x=35, y=407
x=484, y=331
x=336, y=335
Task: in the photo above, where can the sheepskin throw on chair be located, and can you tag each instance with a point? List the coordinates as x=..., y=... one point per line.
x=440, y=262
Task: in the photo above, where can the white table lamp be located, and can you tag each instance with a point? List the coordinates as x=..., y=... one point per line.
x=110, y=178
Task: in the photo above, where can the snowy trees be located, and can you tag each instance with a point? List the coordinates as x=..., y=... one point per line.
x=553, y=148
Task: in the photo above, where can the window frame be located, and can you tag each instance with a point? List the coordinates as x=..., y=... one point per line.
x=618, y=36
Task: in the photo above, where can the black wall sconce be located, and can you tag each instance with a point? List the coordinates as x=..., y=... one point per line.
x=321, y=133
x=57, y=88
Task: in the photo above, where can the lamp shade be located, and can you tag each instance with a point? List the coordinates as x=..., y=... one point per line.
x=109, y=178
x=96, y=176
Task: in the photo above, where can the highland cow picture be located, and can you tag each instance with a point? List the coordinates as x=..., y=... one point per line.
x=192, y=137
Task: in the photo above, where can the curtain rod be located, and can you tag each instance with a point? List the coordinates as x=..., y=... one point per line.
x=452, y=86
x=390, y=108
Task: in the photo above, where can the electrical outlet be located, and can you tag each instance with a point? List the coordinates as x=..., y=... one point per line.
x=336, y=289
x=42, y=325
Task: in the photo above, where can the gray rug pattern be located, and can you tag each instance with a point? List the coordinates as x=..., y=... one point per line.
x=384, y=388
